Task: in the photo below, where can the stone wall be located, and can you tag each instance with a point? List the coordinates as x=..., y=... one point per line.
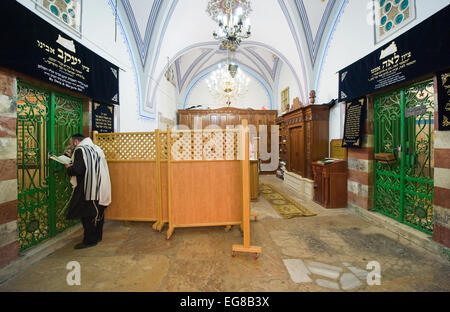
x=9, y=246
x=361, y=166
x=441, y=227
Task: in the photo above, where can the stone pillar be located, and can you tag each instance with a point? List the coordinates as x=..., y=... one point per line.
x=9, y=246
x=441, y=226
x=361, y=166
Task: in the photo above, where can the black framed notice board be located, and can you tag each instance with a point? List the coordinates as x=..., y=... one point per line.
x=355, y=115
x=102, y=117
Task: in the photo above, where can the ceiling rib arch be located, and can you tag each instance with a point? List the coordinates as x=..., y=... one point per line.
x=297, y=15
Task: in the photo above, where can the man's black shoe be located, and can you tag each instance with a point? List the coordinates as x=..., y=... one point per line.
x=83, y=245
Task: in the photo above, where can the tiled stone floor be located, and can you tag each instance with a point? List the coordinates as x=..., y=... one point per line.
x=132, y=257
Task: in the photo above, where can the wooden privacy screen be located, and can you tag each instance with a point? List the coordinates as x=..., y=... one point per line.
x=231, y=116
x=188, y=178
x=137, y=175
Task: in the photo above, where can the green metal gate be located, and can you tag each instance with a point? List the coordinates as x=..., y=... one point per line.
x=404, y=126
x=45, y=122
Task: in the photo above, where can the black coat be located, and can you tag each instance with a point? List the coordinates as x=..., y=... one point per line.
x=79, y=207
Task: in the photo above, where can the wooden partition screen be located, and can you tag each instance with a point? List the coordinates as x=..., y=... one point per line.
x=230, y=116
x=186, y=178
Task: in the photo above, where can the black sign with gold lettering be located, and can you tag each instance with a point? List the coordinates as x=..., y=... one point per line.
x=355, y=115
x=33, y=47
x=443, y=81
x=102, y=118
x=420, y=51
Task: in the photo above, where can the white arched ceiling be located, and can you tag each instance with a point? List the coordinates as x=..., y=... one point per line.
x=295, y=31
x=259, y=60
x=196, y=93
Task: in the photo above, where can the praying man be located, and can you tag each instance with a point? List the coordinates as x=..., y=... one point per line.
x=91, y=188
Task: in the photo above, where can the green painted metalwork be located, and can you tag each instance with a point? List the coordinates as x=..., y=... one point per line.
x=45, y=122
x=68, y=115
x=404, y=190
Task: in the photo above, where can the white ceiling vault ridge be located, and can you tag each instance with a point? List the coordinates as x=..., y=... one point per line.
x=142, y=16
x=292, y=33
x=190, y=64
x=317, y=11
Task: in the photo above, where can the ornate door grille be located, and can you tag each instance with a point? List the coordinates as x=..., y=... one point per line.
x=45, y=122
x=404, y=126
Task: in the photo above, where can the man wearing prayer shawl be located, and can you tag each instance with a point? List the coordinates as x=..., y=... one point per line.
x=91, y=188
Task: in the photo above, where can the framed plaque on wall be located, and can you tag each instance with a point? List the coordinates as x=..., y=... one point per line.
x=355, y=115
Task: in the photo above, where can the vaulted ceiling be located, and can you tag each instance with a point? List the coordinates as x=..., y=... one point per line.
x=178, y=33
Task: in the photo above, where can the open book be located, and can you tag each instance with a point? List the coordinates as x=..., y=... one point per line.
x=63, y=159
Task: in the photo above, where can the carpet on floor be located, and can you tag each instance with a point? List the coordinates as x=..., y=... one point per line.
x=283, y=204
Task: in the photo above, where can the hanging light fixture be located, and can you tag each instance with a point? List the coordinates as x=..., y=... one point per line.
x=228, y=83
x=233, y=21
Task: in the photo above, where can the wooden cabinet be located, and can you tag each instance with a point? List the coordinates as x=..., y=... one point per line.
x=330, y=183
x=307, y=137
x=296, y=156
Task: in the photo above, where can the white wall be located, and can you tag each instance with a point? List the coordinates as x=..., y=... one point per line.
x=166, y=99
x=99, y=35
x=353, y=39
x=257, y=96
x=286, y=79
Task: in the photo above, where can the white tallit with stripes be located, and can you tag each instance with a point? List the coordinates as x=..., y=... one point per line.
x=97, y=184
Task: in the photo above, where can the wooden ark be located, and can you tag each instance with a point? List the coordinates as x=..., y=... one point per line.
x=307, y=137
x=223, y=117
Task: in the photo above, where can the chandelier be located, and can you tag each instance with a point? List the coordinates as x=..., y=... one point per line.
x=234, y=24
x=228, y=83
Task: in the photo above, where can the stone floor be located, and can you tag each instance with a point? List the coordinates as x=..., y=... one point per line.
x=327, y=252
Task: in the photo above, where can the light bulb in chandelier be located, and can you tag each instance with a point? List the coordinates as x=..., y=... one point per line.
x=225, y=87
x=233, y=21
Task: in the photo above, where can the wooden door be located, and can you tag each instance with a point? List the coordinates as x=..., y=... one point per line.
x=296, y=150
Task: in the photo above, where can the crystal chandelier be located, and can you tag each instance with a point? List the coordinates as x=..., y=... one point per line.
x=234, y=24
x=228, y=83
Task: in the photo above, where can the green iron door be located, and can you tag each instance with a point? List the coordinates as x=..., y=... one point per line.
x=45, y=122
x=404, y=126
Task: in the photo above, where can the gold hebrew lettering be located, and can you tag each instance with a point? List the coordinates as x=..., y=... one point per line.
x=60, y=54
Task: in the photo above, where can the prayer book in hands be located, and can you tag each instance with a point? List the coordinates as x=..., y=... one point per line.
x=63, y=159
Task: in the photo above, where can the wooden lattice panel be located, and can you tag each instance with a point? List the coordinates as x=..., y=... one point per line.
x=185, y=145
x=204, y=145
x=164, y=146
x=128, y=146
x=181, y=145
